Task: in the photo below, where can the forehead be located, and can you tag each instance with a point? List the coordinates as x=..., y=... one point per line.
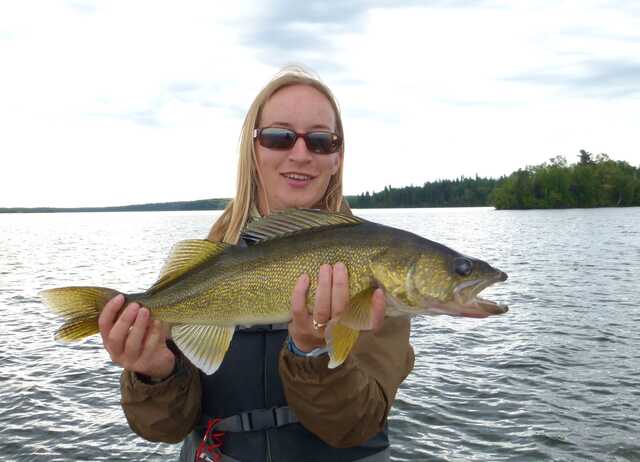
x=300, y=106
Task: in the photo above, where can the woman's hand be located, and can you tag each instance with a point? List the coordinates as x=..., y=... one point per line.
x=134, y=341
x=332, y=299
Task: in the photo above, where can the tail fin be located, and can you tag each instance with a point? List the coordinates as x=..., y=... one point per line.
x=80, y=307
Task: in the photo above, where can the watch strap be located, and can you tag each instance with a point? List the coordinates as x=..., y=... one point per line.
x=316, y=352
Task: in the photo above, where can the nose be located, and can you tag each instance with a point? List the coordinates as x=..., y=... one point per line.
x=299, y=151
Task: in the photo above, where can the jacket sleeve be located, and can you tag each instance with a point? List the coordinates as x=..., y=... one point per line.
x=348, y=405
x=166, y=411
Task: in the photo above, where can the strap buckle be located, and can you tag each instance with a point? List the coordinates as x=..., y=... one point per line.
x=257, y=419
x=260, y=419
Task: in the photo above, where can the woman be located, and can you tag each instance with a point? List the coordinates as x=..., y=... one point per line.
x=274, y=392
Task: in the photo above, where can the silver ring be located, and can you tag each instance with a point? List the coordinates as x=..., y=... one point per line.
x=318, y=325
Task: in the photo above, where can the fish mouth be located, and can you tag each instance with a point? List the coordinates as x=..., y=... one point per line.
x=467, y=302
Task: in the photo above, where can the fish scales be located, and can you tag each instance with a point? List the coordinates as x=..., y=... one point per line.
x=207, y=289
x=243, y=285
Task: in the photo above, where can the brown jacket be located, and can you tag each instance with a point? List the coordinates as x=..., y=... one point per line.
x=343, y=406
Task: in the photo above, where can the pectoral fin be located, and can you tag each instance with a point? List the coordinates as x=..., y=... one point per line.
x=359, y=314
x=205, y=346
x=340, y=340
x=343, y=334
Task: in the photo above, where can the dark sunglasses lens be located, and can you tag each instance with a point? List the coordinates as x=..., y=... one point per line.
x=277, y=138
x=323, y=142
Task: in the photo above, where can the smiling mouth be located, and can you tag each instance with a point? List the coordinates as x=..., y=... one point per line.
x=297, y=176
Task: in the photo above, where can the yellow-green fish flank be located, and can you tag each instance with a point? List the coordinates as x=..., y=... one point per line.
x=206, y=289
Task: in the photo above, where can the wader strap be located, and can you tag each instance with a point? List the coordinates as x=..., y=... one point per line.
x=263, y=328
x=257, y=419
x=187, y=454
x=382, y=456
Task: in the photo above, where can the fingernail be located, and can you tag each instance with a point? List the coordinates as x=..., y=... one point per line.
x=340, y=267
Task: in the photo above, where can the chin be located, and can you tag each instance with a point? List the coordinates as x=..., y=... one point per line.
x=299, y=203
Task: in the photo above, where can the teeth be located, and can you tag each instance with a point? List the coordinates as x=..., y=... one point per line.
x=295, y=176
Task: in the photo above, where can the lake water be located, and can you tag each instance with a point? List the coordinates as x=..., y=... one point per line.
x=556, y=378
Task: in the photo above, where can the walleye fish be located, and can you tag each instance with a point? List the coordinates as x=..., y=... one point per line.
x=207, y=288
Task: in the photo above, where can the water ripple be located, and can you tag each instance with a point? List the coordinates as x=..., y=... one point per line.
x=556, y=379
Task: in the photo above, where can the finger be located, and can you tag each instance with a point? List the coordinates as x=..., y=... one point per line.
x=299, y=312
x=120, y=330
x=133, y=343
x=301, y=320
x=339, y=290
x=322, y=308
x=151, y=343
x=109, y=314
x=377, y=310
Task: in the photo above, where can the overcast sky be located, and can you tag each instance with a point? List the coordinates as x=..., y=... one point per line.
x=122, y=102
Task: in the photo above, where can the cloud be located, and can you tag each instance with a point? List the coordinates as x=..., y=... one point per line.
x=288, y=31
x=604, y=78
x=84, y=7
x=608, y=34
x=145, y=117
x=157, y=110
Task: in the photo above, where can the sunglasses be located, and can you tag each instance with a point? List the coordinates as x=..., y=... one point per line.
x=283, y=138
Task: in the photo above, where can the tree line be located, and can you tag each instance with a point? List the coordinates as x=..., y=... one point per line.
x=594, y=181
x=204, y=204
x=461, y=192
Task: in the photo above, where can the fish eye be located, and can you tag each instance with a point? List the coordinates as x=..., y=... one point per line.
x=463, y=266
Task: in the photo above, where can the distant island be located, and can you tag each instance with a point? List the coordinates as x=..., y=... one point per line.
x=204, y=204
x=593, y=181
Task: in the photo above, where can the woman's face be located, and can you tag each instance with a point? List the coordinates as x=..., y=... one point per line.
x=296, y=177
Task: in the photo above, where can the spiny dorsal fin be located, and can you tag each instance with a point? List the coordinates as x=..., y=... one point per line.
x=293, y=221
x=184, y=256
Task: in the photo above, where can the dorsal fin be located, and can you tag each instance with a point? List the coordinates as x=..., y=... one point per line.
x=184, y=256
x=293, y=221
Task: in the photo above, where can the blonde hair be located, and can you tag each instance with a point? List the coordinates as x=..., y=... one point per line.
x=249, y=185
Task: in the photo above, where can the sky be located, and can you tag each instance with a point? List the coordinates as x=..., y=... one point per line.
x=126, y=102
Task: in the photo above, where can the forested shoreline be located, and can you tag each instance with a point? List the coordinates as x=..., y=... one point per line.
x=461, y=192
x=204, y=204
x=593, y=181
